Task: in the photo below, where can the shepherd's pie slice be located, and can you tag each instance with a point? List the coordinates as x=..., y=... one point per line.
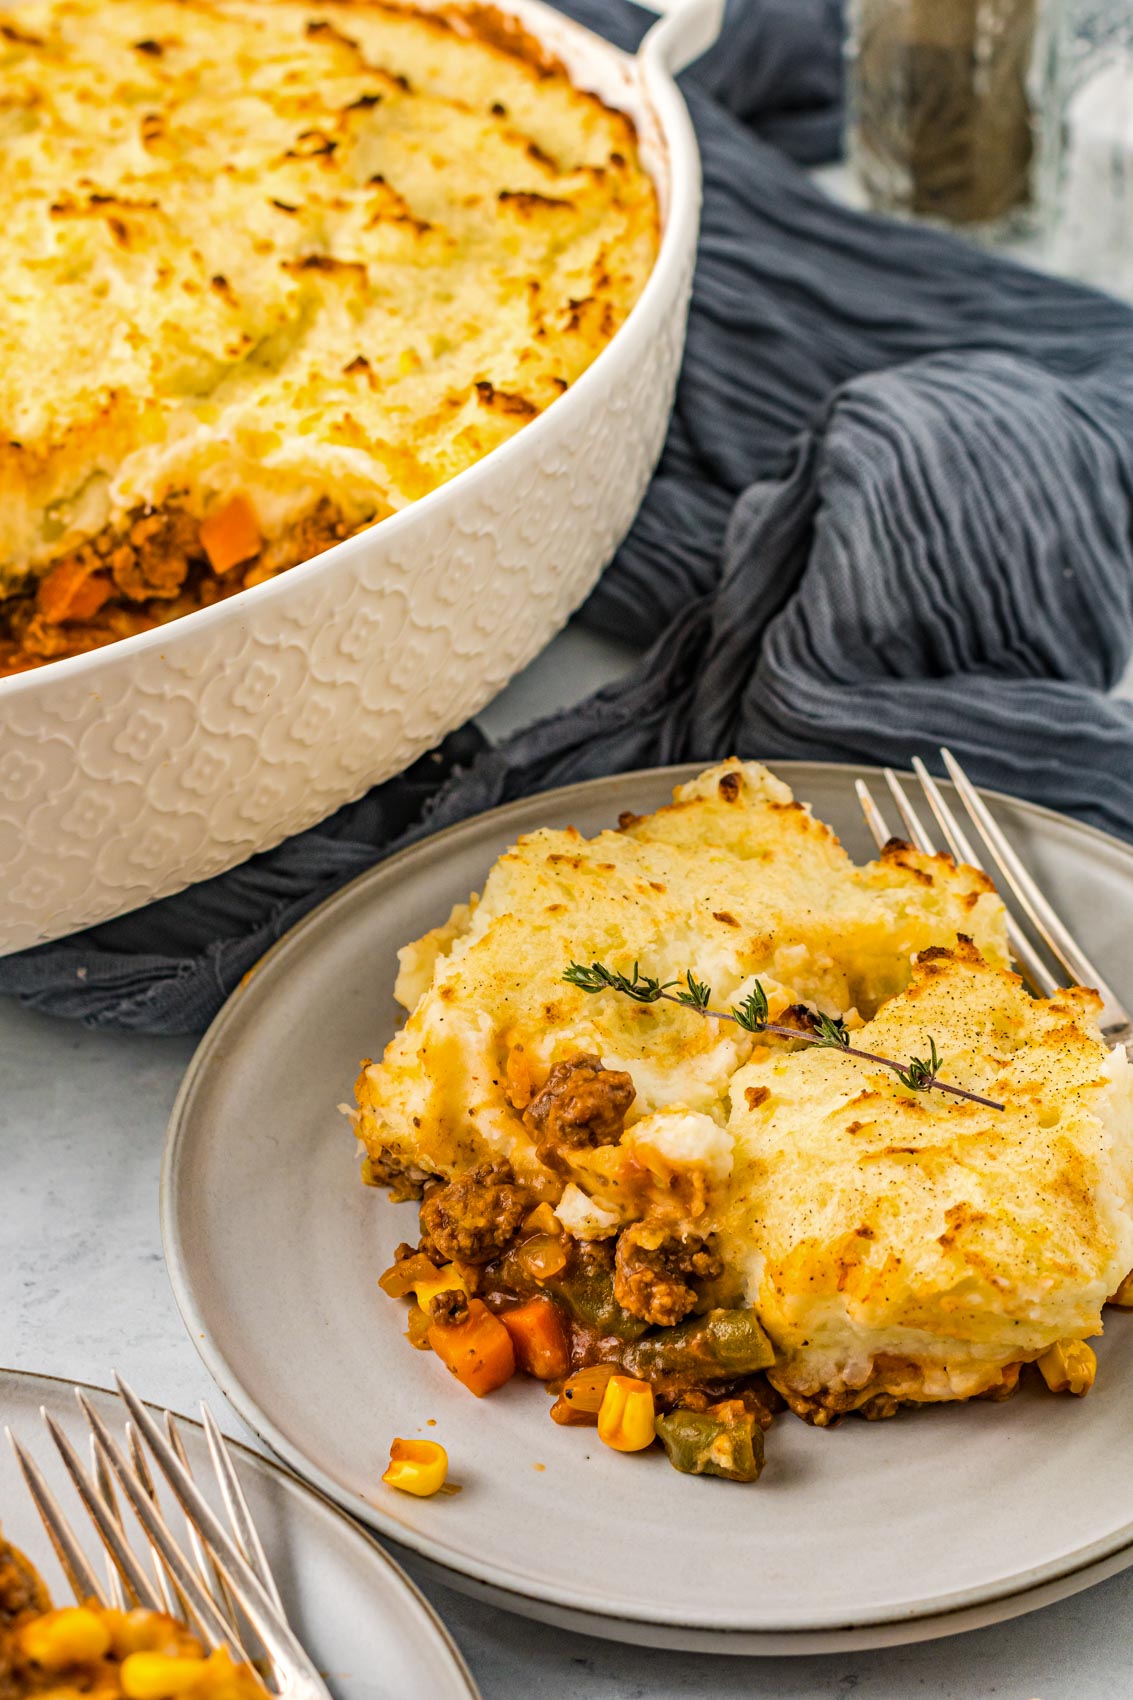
x=860, y=1167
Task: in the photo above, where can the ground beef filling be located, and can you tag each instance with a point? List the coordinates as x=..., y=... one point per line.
x=132, y=578
x=654, y=1271
x=827, y=1408
x=582, y=1104
x=473, y=1218
x=404, y=1180
x=151, y=562
x=449, y=1307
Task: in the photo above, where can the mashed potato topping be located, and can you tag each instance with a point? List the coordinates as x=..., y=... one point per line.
x=915, y=1246
x=311, y=259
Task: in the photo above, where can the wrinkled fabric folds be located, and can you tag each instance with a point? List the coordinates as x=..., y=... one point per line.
x=894, y=510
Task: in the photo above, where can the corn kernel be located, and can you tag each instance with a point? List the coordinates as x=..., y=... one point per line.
x=447, y=1280
x=225, y=1680
x=1124, y=1293
x=73, y=1636
x=142, y=1631
x=625, y=1417
x=1069, y=1367
x=416, y=1466
x=118, y=1628
x=156, y=1676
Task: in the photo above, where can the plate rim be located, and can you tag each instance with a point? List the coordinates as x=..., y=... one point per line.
x=942, y=1615
x=292, y=1481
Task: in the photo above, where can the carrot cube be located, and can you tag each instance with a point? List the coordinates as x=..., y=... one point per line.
x=230, y=535
x=539, y=1339
x=477, y=1349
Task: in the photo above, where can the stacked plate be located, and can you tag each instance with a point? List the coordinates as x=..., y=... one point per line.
x=357, y=1613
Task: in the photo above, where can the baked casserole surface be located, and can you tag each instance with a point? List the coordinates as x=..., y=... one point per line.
x=270, y=272
x=734, y=1220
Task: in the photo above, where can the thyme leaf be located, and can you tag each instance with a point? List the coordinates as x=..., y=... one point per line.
x=830, y=1031
x=697, y=993
x=751, y=1014
x=921, y=1074
x=598, y=978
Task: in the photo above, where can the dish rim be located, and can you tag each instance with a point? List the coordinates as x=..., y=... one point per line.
x=291, y=1477
x=667, y=182
x=942, y=1613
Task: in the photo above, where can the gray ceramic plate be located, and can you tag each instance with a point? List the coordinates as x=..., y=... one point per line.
x=359, y=1616
x=866, y=1535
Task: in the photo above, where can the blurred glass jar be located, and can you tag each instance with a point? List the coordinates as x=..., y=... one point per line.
x=1011, y=119
x=950, y=109
x=1090, y=232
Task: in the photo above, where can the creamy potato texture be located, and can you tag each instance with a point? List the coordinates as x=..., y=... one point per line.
x=292, y=253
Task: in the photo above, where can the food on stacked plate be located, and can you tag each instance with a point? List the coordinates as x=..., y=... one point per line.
x=706, y=1120
x=272, y=271
x=59, y=1654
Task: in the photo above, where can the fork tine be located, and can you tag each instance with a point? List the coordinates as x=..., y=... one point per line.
x=173, y=1605
x=84, y=1583
x=960, y=846
x=178, y=1605
x=110, y=1531
x=874, y=818
x=251, y=1596
x=1050, y=929
x=114, y=1586
x=919, y=835
x=1021, y=948
x=1026, y=957
x=1047, y=923
x=206, y=1569
x=237, y=1506
x=216, y=1631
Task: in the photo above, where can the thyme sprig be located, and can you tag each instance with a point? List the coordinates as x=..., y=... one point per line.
x=920, y=1074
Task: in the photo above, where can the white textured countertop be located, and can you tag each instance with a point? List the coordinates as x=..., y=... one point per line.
x=83, y=1290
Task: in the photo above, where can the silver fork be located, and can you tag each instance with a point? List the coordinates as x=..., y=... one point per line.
x=1077, y=969
x=224, y=1587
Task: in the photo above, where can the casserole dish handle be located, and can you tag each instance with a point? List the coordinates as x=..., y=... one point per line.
x=686, y=29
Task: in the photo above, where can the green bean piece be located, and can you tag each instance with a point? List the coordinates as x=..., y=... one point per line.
x=701, y=1444
x=590, y=1300
x=722, y=1343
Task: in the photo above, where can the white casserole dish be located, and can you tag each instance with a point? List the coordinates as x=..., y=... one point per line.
x=162, y=759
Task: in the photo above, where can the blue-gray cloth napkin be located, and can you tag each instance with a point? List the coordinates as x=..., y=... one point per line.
x=895, y=509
